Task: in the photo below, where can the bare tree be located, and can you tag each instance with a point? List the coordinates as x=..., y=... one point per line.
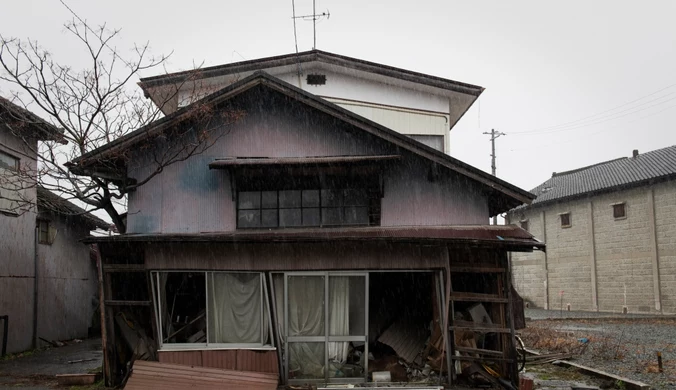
x=91, y=107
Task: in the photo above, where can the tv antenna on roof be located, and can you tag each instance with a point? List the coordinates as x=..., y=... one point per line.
x=314, y=17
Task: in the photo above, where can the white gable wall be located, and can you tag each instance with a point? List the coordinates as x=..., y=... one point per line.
x=405, y=110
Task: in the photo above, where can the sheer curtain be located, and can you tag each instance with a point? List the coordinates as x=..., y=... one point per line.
x=234, y=308
x=339, y=316
x=306, y=318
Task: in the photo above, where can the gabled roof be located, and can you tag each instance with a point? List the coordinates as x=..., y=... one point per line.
x=11, y=113
x=310, y=56
x=609, y=176
x=508, y=194
x=51, y=202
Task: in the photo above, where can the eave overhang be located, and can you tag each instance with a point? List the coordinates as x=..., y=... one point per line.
x=506, y=237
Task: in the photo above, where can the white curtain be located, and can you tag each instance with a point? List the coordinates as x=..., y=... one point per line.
x=306, y=318
x=234, y=308
x=339, y=316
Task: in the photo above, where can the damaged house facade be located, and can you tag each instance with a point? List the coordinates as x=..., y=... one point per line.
x=308, y=242
x=47, y=279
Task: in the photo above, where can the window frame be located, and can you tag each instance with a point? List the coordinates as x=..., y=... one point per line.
x=17, y=160
x=167, y=346
x=524, y=223
x=370, y=197
x=624, y=210
x=47, y=239
x=567, y=224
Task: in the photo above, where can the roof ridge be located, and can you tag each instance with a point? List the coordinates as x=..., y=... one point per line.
x=557, y=174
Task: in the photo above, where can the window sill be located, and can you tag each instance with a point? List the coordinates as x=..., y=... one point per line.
x=620, y=218
x=213, y=347
x=566, y=226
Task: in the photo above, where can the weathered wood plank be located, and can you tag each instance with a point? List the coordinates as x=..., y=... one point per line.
x=629, y=384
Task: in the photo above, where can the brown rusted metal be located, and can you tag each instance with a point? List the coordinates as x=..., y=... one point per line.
x=166, y=376
x=495, y=235
x=232, y=359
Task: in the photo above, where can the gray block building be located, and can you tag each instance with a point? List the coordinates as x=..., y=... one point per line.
x=610, y=230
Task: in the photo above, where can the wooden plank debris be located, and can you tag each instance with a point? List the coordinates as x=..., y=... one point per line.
x=628, y=383
x=164, y=376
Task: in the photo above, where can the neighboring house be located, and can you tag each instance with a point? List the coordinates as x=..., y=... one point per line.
x=611, y=237
x=421, y=106
x=281, y=248
x=63, y=267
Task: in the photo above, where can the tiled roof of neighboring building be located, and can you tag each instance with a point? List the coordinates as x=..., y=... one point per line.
x=606, y=176
x=20, y=117
x=51, y=202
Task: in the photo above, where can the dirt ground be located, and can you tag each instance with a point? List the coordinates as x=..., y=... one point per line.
x=37, y=369
x=623, y=346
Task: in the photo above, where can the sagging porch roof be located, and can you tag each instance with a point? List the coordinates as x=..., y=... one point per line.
x=508, y=237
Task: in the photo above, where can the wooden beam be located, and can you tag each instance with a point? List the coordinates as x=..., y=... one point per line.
x=124, y=268
x=478, y=270
x=628, y=383
x=107, y=374
x=480, y=351
x=481, y=329
x=127, y=303
x=477, y=297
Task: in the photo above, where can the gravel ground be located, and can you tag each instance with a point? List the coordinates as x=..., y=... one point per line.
x=624, y=346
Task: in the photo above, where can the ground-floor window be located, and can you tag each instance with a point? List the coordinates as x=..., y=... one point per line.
x=323, y=321
x=211, y=309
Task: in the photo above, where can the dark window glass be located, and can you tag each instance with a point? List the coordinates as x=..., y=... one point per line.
x=331, y=198
x=311, y=217
x=619, y=211
x=9, y=162
x=332, y=216
x=294, y=208
x=269, y=199
x=356, y=215
x=249, y=200
x=289, y=199
x=289, y=217
x=356, y=198
x=311, y=198
x=249, y=218
x=565, y=220
x=269, y=218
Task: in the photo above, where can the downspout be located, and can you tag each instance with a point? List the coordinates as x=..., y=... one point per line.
x=35, y=287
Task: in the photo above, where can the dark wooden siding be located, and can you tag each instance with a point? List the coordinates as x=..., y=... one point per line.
x=299, y=256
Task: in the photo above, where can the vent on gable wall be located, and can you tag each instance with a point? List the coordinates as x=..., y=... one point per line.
x=316, y=79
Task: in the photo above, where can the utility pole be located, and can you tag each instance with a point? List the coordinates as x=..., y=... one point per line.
x=494, y=135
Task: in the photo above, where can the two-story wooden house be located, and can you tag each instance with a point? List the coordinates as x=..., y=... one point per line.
x=304, y=240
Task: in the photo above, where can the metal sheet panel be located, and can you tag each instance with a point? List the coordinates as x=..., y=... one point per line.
x=155, y=375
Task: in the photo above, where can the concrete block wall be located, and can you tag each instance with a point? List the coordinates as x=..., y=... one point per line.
x=569, y=268
x=529, y=269
x=603, y=263
x=665, y=231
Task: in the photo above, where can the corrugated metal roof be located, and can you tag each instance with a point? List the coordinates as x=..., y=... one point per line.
x=155, y=375
x=495, y=235
x=262, y=161
x=627, y=171
x=50, y=202
x=406, y=338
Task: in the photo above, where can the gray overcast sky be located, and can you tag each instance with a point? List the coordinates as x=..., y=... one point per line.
x=543, y=63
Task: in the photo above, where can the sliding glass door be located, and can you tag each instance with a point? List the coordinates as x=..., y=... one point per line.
x=325, y=326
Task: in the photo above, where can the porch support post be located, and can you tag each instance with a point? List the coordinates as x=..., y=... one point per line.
x=107, y=375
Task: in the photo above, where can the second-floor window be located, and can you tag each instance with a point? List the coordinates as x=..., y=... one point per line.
x=307, y=208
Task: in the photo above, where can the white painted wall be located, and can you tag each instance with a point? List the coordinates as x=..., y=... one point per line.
x=405, y=110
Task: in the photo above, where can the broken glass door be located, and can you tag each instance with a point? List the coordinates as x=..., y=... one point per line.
x=325, y=326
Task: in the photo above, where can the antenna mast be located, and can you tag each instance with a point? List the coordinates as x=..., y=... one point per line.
x=314, y=17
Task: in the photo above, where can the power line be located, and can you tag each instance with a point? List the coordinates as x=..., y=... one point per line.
x=600, y=117
x=95, y=33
